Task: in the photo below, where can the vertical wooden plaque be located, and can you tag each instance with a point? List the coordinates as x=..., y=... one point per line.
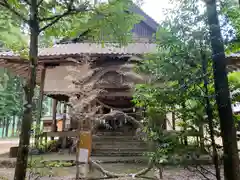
x=85, y=146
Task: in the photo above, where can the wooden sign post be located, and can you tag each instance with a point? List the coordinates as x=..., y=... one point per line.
x=84, y=151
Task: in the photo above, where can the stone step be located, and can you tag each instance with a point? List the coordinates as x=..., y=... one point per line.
x=123, y=149
x=112, y=134
x=117, y=153
x=120, y=145
x=120, y=142
x=115, y=138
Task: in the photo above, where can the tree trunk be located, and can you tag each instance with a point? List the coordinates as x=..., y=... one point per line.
x=228, y=131
x=22, y=158
x=19, y=125
x=164, y=125
x=185, y=138
x=13, y=126
x=209, y=112
x=3, y=126
x=7, y=127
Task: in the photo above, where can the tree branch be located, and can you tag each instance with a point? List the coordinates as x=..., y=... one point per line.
x=6, y=5
x=54, y=21
x=27, y=1
x=50, y=18
x=116, y=175
x=56, y=18
x=39, y=3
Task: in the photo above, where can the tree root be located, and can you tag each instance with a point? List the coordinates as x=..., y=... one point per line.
x=117, y=175
x=99, y=178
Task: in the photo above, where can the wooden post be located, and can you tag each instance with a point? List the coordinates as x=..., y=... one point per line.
x=64, y=142
x=84, y=152
x=40, y=102
x=173, y=121
x=64, y=116
x=54, y=117
x=46, y=138
x=71, y=119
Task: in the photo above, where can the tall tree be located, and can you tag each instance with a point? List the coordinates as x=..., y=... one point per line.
x=13, y=125
x=53, y=19
x=228, y=131
x=10, y=104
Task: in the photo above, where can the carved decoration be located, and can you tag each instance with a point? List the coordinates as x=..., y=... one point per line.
x=110, y=80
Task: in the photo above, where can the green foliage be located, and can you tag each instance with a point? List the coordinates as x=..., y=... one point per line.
x=11, y=32
x=106, y=22
x=110, y=21
x=234, y=85
x=176, y=79
x=234, y=80
x=231, y=12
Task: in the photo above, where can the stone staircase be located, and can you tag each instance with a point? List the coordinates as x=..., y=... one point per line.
x=118, y=145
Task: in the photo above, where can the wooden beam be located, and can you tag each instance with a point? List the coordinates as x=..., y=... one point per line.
x=117, y=94
x=61, y=134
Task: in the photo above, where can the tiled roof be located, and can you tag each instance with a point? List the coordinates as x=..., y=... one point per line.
x=9, y=54
x=97, y=49
x=237, y=55
x=233, y=62
x=90, y=48
x=18, y=66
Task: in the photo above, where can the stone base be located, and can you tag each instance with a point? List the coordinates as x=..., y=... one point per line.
x=13, y=152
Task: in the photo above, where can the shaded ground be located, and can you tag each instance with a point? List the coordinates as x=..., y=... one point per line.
x=69, y=173
x=5, y=145
x=170, y=173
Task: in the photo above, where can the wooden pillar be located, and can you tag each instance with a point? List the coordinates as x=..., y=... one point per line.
x=64, y=116
x=84, y=149
x=54, y=117
x=173, y=121
x=64, y=142
x=70, y=109
x=40, y=103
